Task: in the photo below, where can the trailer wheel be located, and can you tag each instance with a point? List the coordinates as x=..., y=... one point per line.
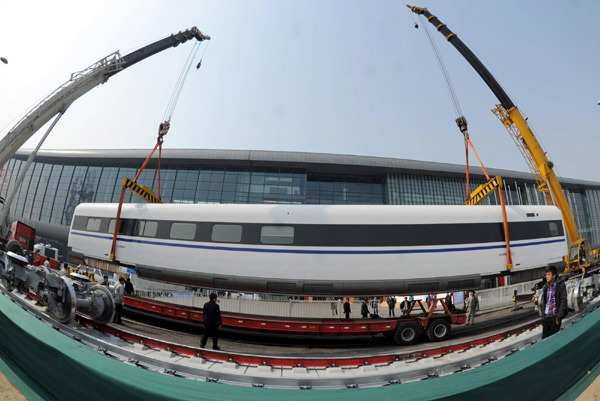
x=407, y=333
x=438, y=330
x=15, y=247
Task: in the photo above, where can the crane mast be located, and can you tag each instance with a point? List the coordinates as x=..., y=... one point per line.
x=517, y=126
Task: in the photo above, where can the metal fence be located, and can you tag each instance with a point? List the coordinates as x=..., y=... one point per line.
x=279, y=306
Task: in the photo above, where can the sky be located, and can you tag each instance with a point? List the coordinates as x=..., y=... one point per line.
x=343, y=77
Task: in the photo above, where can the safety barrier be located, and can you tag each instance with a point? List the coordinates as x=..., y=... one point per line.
x=489, y=299
x=36, y=359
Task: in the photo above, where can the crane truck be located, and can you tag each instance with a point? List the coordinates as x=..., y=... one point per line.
x=580, y=255
x=62, y=296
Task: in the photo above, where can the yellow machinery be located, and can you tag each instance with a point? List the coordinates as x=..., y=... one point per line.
x=580, y=256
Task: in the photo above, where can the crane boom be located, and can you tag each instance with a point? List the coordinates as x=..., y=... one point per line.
x=79, y=84
x=511, y=117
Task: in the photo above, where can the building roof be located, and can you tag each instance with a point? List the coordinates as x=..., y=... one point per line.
x=312, y=162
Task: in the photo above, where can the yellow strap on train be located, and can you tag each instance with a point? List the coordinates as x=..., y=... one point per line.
x=140, y=190
x=484, y=190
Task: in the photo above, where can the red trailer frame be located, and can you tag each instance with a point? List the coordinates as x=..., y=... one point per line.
x=404, y=330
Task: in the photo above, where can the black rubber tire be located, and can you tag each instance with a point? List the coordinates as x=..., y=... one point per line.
x=15, y=247
x=438, y=330
x=407, y=333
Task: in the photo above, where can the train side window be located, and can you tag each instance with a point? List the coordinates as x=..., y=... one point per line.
x=226, y=233
x=145, y=228
x=93, y=224
x=553, y=228
x=111, y=226
x=183, y=231
x=282, y=235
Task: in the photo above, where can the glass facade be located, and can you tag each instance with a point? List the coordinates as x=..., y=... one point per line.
x=51, y=190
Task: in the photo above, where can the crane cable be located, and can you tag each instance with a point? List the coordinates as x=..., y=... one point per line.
x=461, y=122
x=170, y=109
x=162, y=131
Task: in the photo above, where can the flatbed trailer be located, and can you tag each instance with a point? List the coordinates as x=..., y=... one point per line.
x=404, y=330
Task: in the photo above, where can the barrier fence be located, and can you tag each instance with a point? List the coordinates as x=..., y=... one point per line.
x=279, y=306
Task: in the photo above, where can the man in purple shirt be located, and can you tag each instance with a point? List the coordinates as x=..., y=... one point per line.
x=553, y=303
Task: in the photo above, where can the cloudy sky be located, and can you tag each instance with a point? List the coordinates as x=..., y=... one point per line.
x=346, y=77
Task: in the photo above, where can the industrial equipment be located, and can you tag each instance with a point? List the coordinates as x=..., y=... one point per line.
x=580, y=256
x=61, y=296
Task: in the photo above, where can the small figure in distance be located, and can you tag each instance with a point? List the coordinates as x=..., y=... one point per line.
x=334, y=310
x=553, y=303
x=449, y=303
x=405, y=306
x=105, y=281
x=128, y=287
x=119, y=300
x=375, y=306
x=212, y=320
x=472, y=306
x=391, y=305
x=364, y=309
x=347, y=310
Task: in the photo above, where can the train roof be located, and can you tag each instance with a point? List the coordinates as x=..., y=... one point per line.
x=321, y=214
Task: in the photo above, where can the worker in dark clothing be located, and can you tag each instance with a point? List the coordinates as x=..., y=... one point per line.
x=391, y=305
x=128, y=287
x=347, y=310
x=405, y=306
x=553, y=303
x=212, y=321
x=449, y=303
x=364, y=309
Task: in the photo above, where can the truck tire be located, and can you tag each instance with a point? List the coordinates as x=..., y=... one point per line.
x=15, y=247
x=407, y=333
x=438, y=330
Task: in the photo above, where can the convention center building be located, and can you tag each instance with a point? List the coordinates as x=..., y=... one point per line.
x=58, y=180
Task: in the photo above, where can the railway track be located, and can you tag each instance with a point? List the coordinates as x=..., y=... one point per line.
x=368, y=369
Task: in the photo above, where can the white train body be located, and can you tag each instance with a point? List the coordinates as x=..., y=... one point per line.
x=320, y=249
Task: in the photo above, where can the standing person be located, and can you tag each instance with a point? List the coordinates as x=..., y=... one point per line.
x=553, y=303
x=428, y=301
x=334, y=310
x=375, y=305
x=105, y=281
x=449, y=303
x=128, y=287
x=364, y=309
x=405, y=306
x=391, y=306
x=63, y=270
x=472, y=306
x=212, y=321
x=347, y=310
x=119, y=300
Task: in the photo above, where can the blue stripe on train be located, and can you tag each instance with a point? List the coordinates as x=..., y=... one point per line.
x=320, y=252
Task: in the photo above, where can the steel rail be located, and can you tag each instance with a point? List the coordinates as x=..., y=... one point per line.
x=279, y=372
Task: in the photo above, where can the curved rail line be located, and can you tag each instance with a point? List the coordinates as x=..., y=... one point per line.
x=291, y=372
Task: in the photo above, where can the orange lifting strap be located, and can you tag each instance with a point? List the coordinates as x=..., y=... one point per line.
x=509, y=263
x=163, y=129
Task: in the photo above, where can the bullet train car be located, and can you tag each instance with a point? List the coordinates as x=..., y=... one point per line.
x=320, y=249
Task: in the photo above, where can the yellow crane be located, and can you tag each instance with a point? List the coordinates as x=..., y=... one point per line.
x=580, y=256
